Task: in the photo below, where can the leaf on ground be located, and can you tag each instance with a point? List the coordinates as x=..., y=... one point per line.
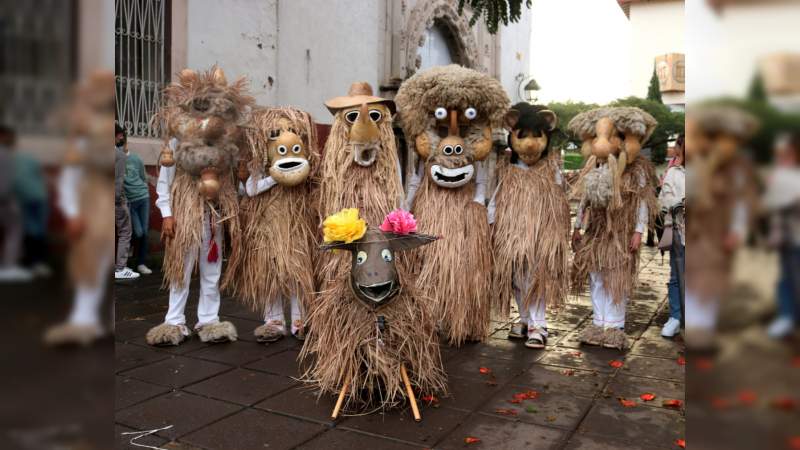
x=531, y=410
x=627, y=403
x=491, y=382
x=527, y=395
x=648, y=397
x=672, y=403
x=551, y=418
x=616, y=363
x=471, y=440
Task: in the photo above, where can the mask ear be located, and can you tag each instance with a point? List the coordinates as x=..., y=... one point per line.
x=401, y=242
x=511, y=119
x=550, y=117
x=339, y=246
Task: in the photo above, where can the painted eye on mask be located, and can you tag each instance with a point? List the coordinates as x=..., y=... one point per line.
x=375, y=115
x=361, y=257
x=440, y=113
x=470, y=113
x=447, y=150
x=351, y=117
x=386, y=254
x=458, y=149
x=296, y=149
x=282, y=150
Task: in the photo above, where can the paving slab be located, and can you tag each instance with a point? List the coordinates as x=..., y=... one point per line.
x=123, y=442
x=281, y=363
x=500, y=370
x=242, y=386
x=239, y=354
x=129, y=391
x=631, y=387
x=667, y=369
x=176, y=371
x=348, y=440
x=660, y=348
x=585, y=357
x=501, y=433
x=302, y=401
x=600, y=442
x=467, y=394
x=555, y=409
x=584, y=383
x=649, y=426
x=399, y=424
x=127, y=356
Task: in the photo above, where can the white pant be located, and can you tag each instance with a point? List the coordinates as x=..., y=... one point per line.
x=607, y=314
x=701, y=313
x=208, y=307
x=535, y=315
x=275, y=311
x=89, y=297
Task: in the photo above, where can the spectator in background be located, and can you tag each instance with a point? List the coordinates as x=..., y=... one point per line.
x=123, y=217
x=10, y=217
x=782, y=203
x=673, y=192
x=138, y=196
x=30, y=189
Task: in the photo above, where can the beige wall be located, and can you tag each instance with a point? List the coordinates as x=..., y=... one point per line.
x=657, y=28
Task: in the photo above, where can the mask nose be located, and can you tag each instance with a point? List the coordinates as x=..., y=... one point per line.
x=364, y=130
x=602, y=147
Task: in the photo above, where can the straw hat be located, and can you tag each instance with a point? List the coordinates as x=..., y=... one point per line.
x=360, y=92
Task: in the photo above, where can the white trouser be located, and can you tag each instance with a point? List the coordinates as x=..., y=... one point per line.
x=89, y=297
x=607, y=314
x=208, y=307
x=275, y=311
x=701, y=313
x=535, y=315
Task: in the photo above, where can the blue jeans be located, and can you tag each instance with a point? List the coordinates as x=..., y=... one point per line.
x=140, y=221
x=34, y=220
x=789, y=283
x=673, y=289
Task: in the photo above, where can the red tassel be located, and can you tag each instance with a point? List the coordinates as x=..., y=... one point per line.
x=213, y=252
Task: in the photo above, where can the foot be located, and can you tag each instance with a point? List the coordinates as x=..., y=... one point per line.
x=518, y=330
x=217, y=332
x=299, y=330
x=615, y=338
x=781, y=327
x=166, y=335
x=271, y=331
x=15, y=274
x=125, y=274
x=592, y=335
x=537, y=338
x=73, y=334
x=671, y=328
x=144, y=270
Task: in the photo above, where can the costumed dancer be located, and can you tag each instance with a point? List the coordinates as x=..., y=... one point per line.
x=197, y=197
x=86, y=198
x=616, y=203
x=530, y=216
x=721, y=198
x=448, y=113
x=373, y=336
x=279, y=223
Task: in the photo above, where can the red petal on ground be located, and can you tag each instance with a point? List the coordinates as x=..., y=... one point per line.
x=578, y=354
x=680, y=443
x=747, y=397
x=720, y=403
x=796, y=361
x=616, y=363
x=785, y=403
x=506, y=411
x=430, y=399
x=672, y=403
x=516, y=400
x=485, y=370
x=648, y=397
x=471, y=440
x=627, y=403
x=681, y=361
x=794, y=443
x=568, y=372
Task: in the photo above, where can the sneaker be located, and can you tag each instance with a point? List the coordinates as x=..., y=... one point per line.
x=125, y=274
x=144, y=270
x=537, y=338
x=518, y=331
x=781, y=327
x=671, y=328
x=15, y=274
x=42, y=270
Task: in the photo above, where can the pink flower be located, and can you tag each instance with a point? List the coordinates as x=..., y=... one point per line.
x=399, y=222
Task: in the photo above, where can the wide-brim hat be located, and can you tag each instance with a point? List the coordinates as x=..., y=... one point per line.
x=360, y=92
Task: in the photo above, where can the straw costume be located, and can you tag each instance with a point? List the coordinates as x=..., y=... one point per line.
x=530, y=214
x=373, y=336
x=617, y=202
x=278, y=225
x=448, y=113
x=197, y=196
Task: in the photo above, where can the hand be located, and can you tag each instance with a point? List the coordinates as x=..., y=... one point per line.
x=576, y=239
x=167, y=228
x=75, y=228
x=732, y=241
x=636, y=242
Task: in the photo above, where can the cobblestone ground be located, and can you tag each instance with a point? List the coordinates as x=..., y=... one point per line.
x=242, y=395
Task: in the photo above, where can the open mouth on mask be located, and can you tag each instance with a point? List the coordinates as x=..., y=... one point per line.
x=290, y=164
x=377, y=292
x=451, y=178
x=365, y=154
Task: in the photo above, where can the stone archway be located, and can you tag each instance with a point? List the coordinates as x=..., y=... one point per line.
x=442, y=13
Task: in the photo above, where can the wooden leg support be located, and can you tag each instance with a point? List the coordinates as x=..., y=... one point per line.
x=410, y=392
x=340, y=400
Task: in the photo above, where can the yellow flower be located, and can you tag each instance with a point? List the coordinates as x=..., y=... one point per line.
x=344, y=226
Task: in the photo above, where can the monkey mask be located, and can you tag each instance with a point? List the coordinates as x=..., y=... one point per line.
x=288, y=156
x=373, y=276
x=530, y=129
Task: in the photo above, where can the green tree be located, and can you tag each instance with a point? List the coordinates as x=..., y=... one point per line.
x=565, y=112
x=756, y=91
x=654, y=90
x=669, y=124
x=495, y=11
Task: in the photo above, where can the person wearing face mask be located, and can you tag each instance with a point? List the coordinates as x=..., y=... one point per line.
x=122, y=214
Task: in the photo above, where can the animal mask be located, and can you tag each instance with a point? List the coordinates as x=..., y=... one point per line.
x=205, y=114
x=448, y=113
x=90, y=123
x=373, y=275
x=364, y=114
x=530, y=129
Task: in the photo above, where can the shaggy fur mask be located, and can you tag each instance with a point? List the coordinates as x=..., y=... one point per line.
x=530, y=129
x=448, y=113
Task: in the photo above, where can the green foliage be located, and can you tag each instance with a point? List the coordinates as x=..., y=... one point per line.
x=573, y=161
x=669, y=123
x=756, y=91
x=565, y=112
x=495, y=11
x=654, y=90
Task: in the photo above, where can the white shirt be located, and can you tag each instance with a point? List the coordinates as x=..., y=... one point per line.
x=166, y=175
x=68, y=196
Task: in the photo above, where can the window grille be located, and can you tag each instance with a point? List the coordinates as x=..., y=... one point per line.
x=141, y=35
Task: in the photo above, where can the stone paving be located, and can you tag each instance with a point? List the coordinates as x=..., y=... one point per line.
x=243, y=396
